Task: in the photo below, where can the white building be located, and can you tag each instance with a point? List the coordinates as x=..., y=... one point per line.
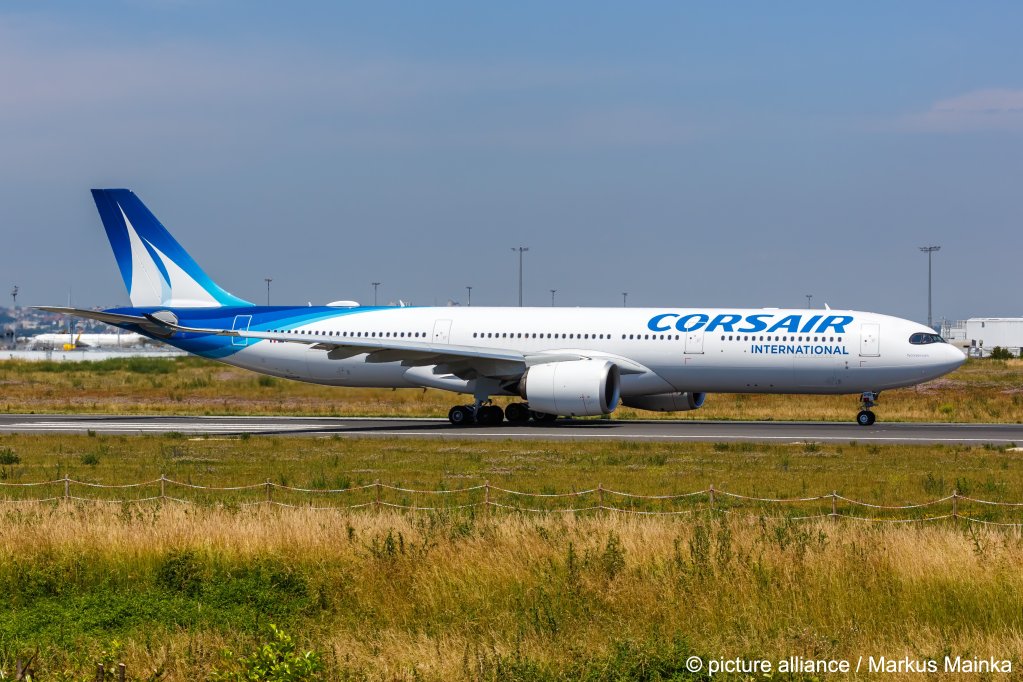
x=981, y=334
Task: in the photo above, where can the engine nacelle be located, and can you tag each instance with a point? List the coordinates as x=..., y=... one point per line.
x=667, y=402
x=573, y=388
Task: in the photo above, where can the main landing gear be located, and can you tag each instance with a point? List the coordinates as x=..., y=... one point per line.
x=868, y=399
x=486, y=414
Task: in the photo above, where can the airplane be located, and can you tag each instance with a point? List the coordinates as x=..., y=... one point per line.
x=80, y=341
x=562, y=362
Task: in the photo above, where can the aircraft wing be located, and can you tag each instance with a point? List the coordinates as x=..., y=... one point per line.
x=464, y=360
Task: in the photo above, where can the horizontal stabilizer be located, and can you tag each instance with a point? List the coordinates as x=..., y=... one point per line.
x=109, y=318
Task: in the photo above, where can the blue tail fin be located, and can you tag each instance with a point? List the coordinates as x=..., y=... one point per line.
x=155, y=268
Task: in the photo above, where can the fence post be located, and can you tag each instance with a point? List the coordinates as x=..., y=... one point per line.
x=120, y=672
x=486, y=497
x=99, y=672
x=955, y=504
x=18, y=672
x=710, y=492
x=834, y=504
x=269, y=492
x=600, y=495
x=376, y=502
x=163, y=489
x=67, y=488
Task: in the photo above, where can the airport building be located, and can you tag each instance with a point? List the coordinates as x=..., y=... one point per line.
x=980, y=335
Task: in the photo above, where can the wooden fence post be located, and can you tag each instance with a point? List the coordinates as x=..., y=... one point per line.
x=67, y=488
x=600, y=495
x=376, y=502
x=955, y=504
x=163, y=487
x=710, y=492
x=834, y=504
x=269, y=492
x=121, y=672
x=486, y=497
x=99, y=672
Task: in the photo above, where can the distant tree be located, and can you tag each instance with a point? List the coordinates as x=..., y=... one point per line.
x=999, y=353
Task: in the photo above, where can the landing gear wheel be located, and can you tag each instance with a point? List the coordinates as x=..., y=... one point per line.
x=865, y=418
x=517, y=413
x=461, y=415
x=543, y=417
x=489, y=415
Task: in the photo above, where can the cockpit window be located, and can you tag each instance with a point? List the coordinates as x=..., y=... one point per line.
x=922, y=338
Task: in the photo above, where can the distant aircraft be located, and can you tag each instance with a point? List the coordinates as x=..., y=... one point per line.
x=80, y=341
x=560, y=361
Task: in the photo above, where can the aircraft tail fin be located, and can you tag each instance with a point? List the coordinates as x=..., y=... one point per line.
x=156, y=269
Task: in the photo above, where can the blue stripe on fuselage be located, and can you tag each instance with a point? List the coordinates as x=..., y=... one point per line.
x=263, y=319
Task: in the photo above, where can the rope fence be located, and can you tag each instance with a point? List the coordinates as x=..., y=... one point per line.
x=486, y=497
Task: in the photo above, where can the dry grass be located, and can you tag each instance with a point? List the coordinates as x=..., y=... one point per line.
x=980, y=391
x=443, y=597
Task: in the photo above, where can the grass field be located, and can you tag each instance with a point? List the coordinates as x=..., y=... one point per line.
x=980, y=391
x=500, y=595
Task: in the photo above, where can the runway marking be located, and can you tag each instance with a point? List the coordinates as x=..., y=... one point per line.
x=655, y=436
x=140, y=426
x=426, y=427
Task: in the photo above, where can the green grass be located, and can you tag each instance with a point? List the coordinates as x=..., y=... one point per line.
x=880, y=474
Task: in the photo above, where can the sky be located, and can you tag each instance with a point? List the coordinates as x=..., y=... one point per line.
x=739, y=154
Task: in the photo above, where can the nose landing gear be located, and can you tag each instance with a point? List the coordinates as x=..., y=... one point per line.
x=866, y=417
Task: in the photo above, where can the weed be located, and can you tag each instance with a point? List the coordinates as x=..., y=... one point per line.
x=278, y=660
x=934, y=485
x=9, y=456
x=612, y=559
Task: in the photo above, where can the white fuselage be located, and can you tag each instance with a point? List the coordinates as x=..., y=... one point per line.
x=700, y=350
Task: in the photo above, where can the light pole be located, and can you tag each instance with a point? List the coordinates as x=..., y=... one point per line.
x=929, y=250
x=375, y=285
x=521, y=250
x=809, y=297
x=625, y=299
x=14, y=299
x=268, y=280
x=553, y=291
x=469, y=300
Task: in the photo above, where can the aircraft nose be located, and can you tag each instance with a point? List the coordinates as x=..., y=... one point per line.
x=951, y=357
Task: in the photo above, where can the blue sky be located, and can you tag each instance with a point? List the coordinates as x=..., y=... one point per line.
x=720, y=154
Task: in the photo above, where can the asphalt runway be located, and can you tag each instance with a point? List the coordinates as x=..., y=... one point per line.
x=654, y=430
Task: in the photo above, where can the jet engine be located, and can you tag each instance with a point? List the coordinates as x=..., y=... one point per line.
x=667, y=402
x=573, y=388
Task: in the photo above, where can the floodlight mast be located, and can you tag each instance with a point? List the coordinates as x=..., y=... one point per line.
x=929, y=250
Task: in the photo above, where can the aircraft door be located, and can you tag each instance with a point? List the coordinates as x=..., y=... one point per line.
x=870, y=339
x=442, y=331
x=694, y=342
x=241, y=324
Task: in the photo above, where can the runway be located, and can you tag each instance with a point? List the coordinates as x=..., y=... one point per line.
x=664, y=431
